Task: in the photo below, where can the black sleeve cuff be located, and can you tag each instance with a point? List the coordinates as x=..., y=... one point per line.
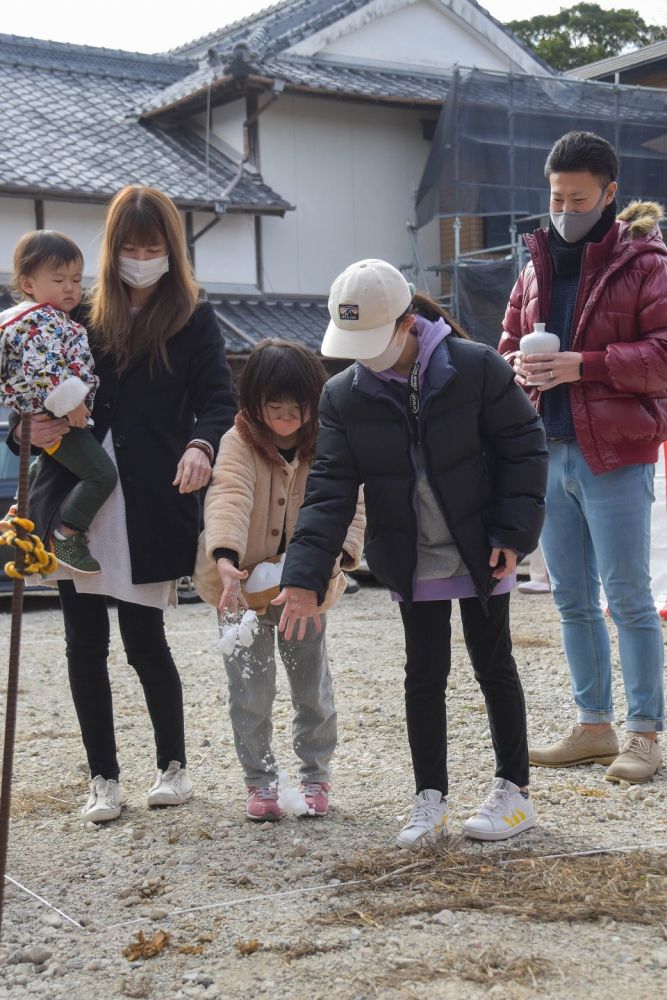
x=226, y=554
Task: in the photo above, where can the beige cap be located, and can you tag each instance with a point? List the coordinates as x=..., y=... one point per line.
x=364, y=303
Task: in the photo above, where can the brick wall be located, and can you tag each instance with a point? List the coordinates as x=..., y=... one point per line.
x=472, y=238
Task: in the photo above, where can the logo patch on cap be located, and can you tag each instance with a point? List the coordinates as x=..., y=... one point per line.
x=348, y=312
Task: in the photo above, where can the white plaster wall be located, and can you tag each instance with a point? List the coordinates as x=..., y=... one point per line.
x=227, y=124
x=420, y=34
x=351, y=170
x=226, y=254
x=82, y=223
x=17, y=216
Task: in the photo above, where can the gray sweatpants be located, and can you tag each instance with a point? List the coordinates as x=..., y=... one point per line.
x=251, y=673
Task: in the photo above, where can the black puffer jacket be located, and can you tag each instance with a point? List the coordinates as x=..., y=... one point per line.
x=484, y=453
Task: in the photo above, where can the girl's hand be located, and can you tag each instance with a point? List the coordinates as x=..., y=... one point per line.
x=78, y=417
x=545, y=371
x=300, y=605
x=193, y=471
x=44, y=431
x=508, y=562
x=231, y=593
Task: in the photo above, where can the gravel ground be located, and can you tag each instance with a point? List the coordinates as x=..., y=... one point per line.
x=269, y=916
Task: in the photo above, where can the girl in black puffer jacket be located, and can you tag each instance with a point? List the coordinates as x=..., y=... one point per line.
x=453, y=462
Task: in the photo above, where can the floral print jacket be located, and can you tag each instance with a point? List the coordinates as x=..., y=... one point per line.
x=45, y=360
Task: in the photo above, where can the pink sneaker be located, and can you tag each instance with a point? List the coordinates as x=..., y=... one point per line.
x=316, y=794
x=262, y=803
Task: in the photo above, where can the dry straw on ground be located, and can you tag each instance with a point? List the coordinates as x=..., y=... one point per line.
x=46, y=801
x=628, y=888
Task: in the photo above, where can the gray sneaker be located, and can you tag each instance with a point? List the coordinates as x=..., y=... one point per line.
x=74, y=553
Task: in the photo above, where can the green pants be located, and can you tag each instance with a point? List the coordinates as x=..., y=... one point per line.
x=81, y=453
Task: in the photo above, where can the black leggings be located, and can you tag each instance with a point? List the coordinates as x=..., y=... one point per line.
x=428, y=650
x=87, y=643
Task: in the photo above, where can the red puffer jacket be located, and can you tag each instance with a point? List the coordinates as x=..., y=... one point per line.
x=619, y=326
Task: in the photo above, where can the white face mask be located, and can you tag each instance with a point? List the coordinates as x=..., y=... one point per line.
x=389, y=356
x=142, y=273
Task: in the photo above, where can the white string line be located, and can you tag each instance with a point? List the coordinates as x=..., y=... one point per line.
x=226, y=903
x=585, y=854
x=223, y=904
x=46, y=903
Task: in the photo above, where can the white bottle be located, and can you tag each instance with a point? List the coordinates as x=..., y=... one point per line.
x=539, y=342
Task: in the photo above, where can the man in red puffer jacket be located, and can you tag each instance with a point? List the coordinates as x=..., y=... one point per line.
x=600, y=283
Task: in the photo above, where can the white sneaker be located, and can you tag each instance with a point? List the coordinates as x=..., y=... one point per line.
x=428, y=821
x=172, y=787
x=534, y=587
x=504, y=813
x=104, y=802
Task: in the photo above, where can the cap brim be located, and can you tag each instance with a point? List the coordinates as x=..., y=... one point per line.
x=361, y=345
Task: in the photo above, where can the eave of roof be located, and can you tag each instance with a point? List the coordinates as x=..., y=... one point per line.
x=616, y=64
x=308, y=76
x=76, y=196
x=247, y=319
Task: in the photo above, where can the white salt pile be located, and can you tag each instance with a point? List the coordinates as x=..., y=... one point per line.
x=291, y=800
x=264, y=576
x=247, y=628
x=241, y=633
x=228, y=640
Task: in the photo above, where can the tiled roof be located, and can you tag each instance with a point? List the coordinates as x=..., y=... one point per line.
x=312, y=74
x=68, y=129
x=245, y=320
x=282, y=25
x=36, y=52
x=255, y=49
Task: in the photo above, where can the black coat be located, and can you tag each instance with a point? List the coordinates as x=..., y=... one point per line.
x=152, y=418
x=484, y=453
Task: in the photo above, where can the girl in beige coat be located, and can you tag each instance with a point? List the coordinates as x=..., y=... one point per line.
x=251, y=508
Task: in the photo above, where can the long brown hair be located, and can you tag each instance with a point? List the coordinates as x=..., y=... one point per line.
x=143, y=216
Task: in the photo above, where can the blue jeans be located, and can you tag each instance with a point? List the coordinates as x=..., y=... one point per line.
x=597, y=528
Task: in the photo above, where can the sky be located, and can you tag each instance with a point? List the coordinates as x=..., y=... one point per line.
x=141, y=26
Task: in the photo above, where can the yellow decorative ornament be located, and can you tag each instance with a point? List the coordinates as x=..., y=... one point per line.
x=19, y=532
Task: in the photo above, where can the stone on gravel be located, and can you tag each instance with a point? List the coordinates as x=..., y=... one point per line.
x=37, y=954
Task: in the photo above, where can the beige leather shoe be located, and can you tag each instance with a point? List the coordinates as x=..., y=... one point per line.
x=637, y=762
x=579, y=745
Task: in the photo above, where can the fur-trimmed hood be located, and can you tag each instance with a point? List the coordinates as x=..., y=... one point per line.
x=642, y=217
x=263, y=442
